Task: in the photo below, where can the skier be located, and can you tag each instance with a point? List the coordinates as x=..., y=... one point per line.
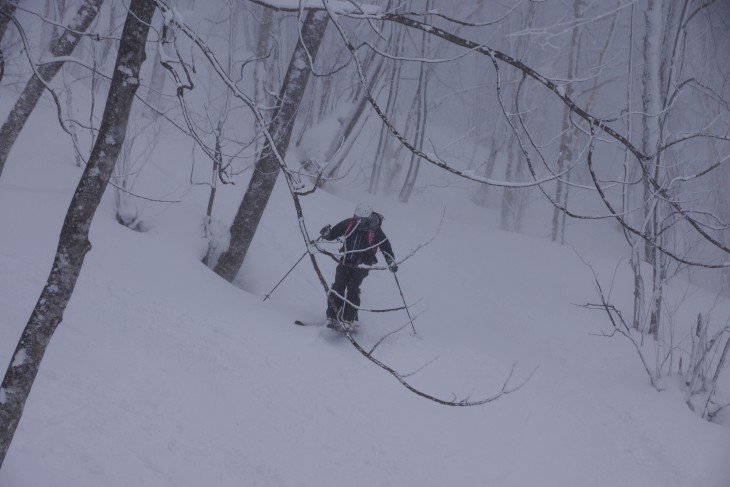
x=362, y=237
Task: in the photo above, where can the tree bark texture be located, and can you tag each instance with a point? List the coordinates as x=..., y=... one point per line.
x=651, y=106
x=7, y=9
x=74, y=242
x=33, y=90
x=267, y=166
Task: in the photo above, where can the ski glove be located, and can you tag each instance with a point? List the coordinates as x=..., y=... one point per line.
x=325, y=231
x=393, y=267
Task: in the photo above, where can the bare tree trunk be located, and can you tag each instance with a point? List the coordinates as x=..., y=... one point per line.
x=265, y=59
x=421, y=121
x=567, y=139
x=154, y=92
x=651, y=106
x=73, y=243
x=651, y=103
x=48, y=29
x=325, y=87
x=509, y=212
x=217, y=164
x=512, y=199
x=384, y=150
x=481, y=196
x=664, y=60
x=72, y=127
x=7, y=10
x=659, y=273
x=27, y=101
x=351, y=125
x=345, y=137
x=97, y=81
x=267, y=167
x=326, y=97
x=635, y=243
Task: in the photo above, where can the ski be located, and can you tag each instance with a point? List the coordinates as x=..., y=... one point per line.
x=343, y=328
x=336, y=328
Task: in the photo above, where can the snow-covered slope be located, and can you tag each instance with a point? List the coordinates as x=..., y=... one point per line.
x=163, y=374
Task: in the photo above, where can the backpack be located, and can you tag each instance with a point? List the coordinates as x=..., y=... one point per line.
x=360, y=246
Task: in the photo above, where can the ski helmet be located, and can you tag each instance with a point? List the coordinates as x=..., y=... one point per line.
x=363, y=210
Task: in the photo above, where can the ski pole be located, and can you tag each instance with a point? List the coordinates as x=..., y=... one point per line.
x=404, y=303
x=285, y=275
x=292, y=268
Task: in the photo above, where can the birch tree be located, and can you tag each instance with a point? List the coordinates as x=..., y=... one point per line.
x=651, y=106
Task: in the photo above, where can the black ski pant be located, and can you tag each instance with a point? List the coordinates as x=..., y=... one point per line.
x=347, y=284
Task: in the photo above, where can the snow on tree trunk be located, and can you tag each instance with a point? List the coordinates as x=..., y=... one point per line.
x=74, y=242
x=267, y=167
x=33, y=90
x=651, y=106
x=651, y=101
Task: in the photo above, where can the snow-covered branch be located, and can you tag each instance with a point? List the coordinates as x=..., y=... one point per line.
x=339, y=7
x=470, y=175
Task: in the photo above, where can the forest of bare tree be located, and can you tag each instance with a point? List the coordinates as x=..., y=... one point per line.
x=570, y=112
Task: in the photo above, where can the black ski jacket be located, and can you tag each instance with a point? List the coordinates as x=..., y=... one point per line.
x=362, y=240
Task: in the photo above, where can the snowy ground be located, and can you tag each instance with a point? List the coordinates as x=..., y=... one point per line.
x=163, y=374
